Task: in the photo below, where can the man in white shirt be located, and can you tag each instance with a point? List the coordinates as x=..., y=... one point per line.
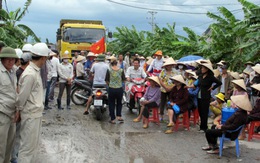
x=54, y=71
x=8, y=82
x=30, y=106
x=132, y=72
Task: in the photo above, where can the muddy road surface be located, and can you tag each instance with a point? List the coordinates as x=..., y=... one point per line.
x=73, y=137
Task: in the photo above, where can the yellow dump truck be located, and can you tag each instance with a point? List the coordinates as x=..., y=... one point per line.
x=77, y=35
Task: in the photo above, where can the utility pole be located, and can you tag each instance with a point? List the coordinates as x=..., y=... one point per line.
x=152, y=22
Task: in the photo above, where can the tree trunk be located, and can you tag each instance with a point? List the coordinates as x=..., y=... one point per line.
x=1, y=4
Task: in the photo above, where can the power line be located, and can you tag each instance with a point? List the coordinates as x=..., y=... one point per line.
x=154, y=9
x=229, y=4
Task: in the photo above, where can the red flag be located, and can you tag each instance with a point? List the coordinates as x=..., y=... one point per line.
x=98, y=47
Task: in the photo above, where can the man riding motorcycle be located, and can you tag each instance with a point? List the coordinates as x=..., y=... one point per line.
x=98, y=70
x=132, y=72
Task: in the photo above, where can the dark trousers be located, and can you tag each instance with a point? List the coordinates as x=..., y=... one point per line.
x=115, y=96
x=164, y=100
x=203, y=108
x=146, y=108
x=252, y=118
x=61, y=89
x=212, y=136
x=52, y=87
x=46, y=103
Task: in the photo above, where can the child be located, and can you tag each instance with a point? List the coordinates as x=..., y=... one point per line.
x=216, y=106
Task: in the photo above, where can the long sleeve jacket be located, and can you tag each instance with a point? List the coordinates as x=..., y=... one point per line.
x=180, y=97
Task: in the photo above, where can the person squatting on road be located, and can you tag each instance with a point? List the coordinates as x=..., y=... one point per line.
x=30, y=105
x=8, y=95
x=115, y=77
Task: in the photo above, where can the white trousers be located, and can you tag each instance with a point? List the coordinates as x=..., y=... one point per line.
x=29, y=135
x=7, y=135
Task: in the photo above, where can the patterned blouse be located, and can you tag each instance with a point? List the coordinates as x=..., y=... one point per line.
x=166, y=79
x=115, y=78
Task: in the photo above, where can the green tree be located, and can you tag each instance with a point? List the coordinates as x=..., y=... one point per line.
x=12, y=33
x=250, y=45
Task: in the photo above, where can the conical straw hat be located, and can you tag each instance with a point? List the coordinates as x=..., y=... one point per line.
x=80, y=58
x=209, y=66
x=155, y=79
x=235, y=75
x=178, y=78
x=256, y=86
x=169, y=62
x=242, y=102
x=256, y=69
x=240, y=83
x=216, y=73
x=201, y=61
x=149, y=61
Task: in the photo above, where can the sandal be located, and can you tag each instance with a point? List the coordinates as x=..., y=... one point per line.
x=206, y=148
x=145, y=126
x=170, y=125
x=136, y=120
x=168, y=132
x=86, y=113
x=120, y=119
x=213, y=151
x=112, y=122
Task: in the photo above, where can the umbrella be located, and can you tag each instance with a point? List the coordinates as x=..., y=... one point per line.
x=190, y=58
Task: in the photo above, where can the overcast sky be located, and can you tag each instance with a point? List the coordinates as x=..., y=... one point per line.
x=44, y=16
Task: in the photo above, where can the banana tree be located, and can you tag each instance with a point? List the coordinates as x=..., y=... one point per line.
x=250, y=45
x=12, y=33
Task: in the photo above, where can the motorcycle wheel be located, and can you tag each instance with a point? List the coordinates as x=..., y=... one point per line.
x=76, y=100
x=98, y=114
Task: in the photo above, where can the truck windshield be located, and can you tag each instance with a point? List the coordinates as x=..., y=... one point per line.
x=79, y=35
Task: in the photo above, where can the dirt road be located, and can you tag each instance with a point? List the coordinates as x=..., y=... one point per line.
x=78, y=138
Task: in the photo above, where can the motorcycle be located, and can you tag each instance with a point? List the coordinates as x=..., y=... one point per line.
x=100, y=100
x=137, y=92
x=81, y=90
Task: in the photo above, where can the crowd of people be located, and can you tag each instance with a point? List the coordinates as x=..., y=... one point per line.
x=30, y=75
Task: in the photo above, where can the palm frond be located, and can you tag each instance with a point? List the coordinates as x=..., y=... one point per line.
x=25, y=9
